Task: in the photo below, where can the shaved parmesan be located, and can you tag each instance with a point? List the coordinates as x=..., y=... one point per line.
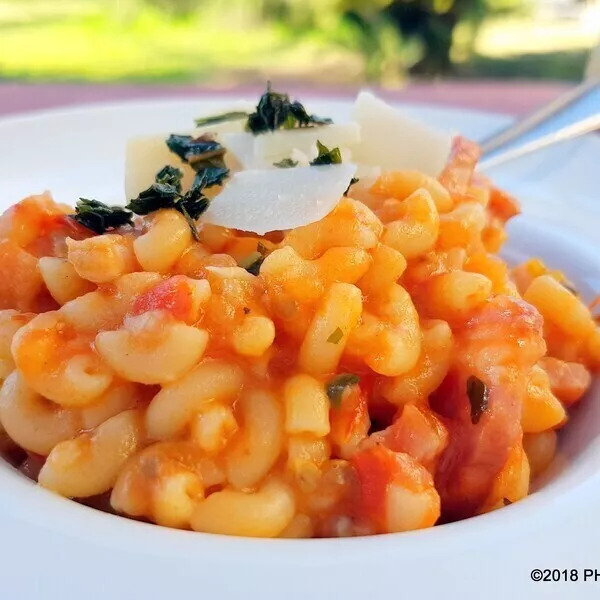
x=277, y=145
x=261, y=151
x=271, y=200
x=241, y=146
x=391, y=140
x=144, y=158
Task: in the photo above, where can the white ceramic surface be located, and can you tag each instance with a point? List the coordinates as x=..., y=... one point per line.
x=53, y=548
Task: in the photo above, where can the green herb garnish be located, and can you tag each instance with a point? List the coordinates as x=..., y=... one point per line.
x=100, y=217
x=234, y=115
x=170, y=176
x=254, y=267
x=254, y=260
x=478, y=394
x=336, y=387
x=286, y=163
x=335, y=336
x=204, y=154
x=211, y=174
x=274, y=111
x=195, y=150
x=327, y=156
x=352, y=182
x=250, y=260
x=168, y=195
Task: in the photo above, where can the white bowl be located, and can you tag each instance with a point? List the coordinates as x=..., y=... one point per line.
x=54, y=548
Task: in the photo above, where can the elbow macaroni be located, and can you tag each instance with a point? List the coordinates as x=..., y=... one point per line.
x=330, y=390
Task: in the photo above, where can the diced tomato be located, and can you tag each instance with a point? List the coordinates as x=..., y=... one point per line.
x=384, y=476
x=568, y=380
x=503, y=205
x=350, y=421
x=417, y=432
x=175, y=295
x=375, y=468
x=458, y=172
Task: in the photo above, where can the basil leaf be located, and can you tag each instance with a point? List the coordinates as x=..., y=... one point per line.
x=210, y=175
x=234, y=115
x=352, y=182
x=170, y=176
x=336, y=336
x=286, y=163
x=157, y=196
x=100, y=217
x=164, y=195
x=327, y=156
x=254, y=260
x=194, y=150
x=195, y=202
x=478, y=394
x=335, y=387
x=276, y=111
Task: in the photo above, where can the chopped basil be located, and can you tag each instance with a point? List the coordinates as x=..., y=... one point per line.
x=168, y=195
x=336, y=336
x=194, y=150
x=234, y=115
x=352, y=182
x=335, y=387
x=478, y=394
x=255, y=259
x=276, y=111
x=250, y=260
x=204, y=154
x=286, y=163
x=254, y=267
x=211, y=174
x=327, y=156
x=170, y=176
x=100, y=217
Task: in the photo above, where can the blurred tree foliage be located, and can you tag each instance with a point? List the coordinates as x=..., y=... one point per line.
x=393, y=35
x=429, y=23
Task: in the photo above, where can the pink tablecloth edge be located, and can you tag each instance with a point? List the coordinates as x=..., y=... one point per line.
x=510, y=97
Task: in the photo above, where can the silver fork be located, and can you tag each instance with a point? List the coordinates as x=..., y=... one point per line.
x=571, y=115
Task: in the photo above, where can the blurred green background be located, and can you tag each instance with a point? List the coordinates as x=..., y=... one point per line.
x=332, y=42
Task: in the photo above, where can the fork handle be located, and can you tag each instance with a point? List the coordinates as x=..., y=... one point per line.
x=567, y=110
